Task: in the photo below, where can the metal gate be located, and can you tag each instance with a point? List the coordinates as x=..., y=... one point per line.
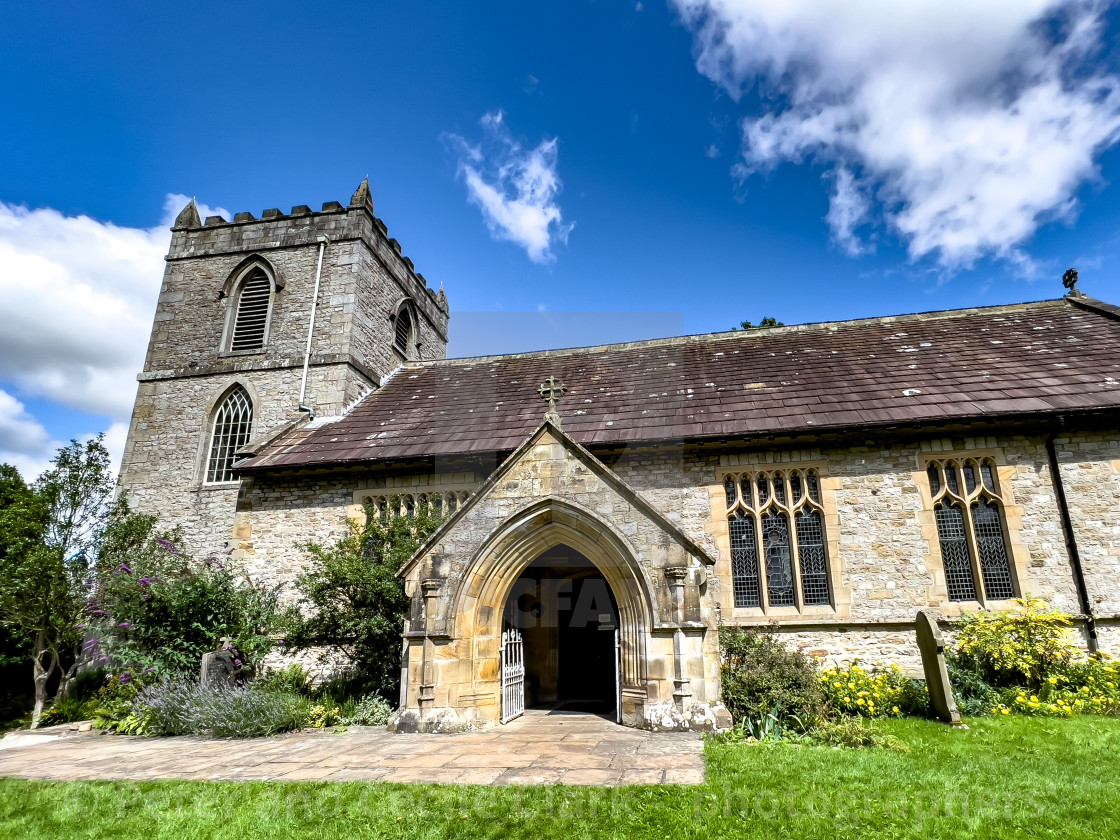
x=513, y=675
x=617, y=676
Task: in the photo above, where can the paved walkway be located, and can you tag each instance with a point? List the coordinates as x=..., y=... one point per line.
x=537, y=749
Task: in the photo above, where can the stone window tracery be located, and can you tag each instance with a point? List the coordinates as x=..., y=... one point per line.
x=233, y=424
x=435, y=502
x=779, y=556
x=968, y=510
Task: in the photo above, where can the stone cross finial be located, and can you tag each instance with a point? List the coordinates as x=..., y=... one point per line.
x=1069, y=280
x=552, y=389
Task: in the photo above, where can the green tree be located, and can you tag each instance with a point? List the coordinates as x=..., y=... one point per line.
x=50, y=533
x=765, y=322
x=352, y=599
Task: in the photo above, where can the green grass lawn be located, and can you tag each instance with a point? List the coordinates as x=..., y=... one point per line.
x=1002, y=778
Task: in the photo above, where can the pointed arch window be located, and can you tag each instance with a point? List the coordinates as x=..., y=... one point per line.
x=250, y=322
x=402, y=330
x=778, y=549
x=233, y=423
x=968, y=510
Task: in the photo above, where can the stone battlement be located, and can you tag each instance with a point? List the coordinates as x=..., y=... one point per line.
x=193, y=237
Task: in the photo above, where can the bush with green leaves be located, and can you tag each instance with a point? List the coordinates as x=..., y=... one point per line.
x=68, y=710
x=370, y=710
x=1019, y=647
x=881, y=692
x=857, y=733
x=762, y=678
x=1024, y=661
x=116, y=709
x=293, y=678
x=157, y=607
x=353, y=600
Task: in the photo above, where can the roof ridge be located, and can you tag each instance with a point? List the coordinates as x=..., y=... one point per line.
x=759, y=332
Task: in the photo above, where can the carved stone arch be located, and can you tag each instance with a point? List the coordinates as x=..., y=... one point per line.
x=241, y=270
x=478, y=603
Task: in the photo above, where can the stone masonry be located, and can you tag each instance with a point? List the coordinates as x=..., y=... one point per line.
x=188, y=369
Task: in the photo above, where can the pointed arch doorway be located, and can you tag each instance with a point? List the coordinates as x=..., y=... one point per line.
x=562, y=638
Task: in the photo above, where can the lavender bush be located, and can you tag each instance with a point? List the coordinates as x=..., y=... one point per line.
x=179, y=707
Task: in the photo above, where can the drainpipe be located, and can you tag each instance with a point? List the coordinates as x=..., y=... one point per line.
x=323, y=240
x=1071, y=544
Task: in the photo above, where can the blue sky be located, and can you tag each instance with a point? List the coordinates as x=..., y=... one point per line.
x=709, y=161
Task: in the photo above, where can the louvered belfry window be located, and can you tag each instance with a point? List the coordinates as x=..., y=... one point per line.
x=403, y=327
x=967, y=508
x=251, y=319
x=778, y=549
x=233, y=423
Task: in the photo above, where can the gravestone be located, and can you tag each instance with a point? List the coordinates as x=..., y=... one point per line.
x=941, y=699
x=221, y=668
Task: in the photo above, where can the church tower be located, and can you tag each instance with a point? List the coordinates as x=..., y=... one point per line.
x=263, y=324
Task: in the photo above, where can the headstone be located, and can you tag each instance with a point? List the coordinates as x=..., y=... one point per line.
x=941, y=699
x=222, y=669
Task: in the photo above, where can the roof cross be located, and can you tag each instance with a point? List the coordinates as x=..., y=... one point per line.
x=552, y=389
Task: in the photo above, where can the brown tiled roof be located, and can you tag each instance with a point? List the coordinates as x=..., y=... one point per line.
x=962, y=365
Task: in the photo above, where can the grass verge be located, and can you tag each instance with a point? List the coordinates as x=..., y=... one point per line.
x=1002, y=778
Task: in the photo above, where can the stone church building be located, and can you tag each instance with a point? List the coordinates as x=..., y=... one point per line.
x=824, y=480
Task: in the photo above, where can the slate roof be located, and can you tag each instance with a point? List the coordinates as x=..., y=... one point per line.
x=953, y=366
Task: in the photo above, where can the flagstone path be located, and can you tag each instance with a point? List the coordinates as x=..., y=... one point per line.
x=537, y=749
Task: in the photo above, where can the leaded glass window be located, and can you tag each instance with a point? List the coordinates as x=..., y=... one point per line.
x=779, y=555
x=967, y=508
x=233, y=422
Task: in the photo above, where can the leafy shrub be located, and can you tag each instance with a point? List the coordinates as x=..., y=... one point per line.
x=156, y=607
x=1021, y=647
x=323, y=715
x=857, y=733
x=115, y=710
x=353, y=599
x=974, y=696
x=371, y=710
x=292, y=679
x=67, y=710
x=761, y=677
x=886, y=693
x=179, y=707
x=1088, y=686
x=85, y=685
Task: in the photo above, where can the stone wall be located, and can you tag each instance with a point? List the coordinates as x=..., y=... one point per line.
x=1090, y=465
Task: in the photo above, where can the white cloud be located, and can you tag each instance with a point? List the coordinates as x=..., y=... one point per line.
x=24, y=442
x=79, y=296
x=516, y=189
x=970, y=124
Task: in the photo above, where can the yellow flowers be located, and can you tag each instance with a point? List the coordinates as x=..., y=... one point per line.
x=881, y=692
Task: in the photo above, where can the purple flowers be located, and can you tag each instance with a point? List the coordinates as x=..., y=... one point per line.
x=126, y=677
x=79, y=627
x=125, y=569
x=125, y=624
x=103, y=659
x=144, y=581
x=237, y=662
x=99, y=612
x=149, y=670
